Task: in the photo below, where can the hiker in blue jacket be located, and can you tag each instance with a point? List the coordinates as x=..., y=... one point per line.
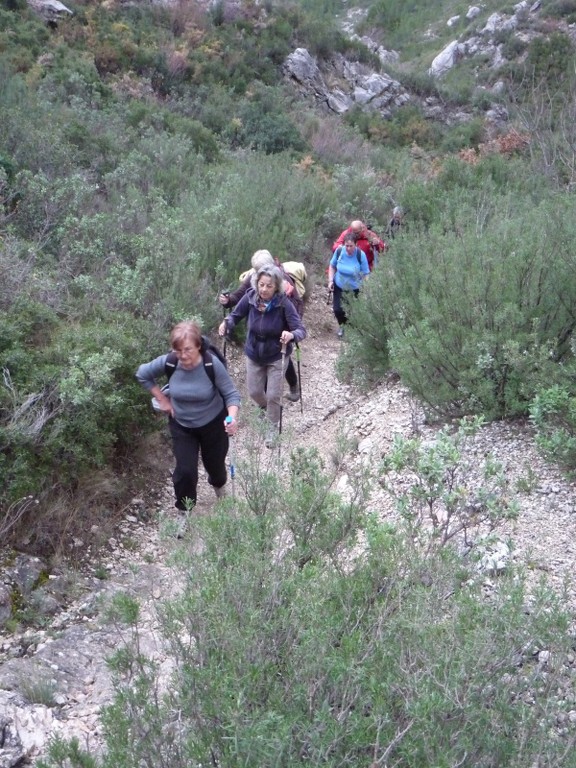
x=197, y=408
x=348, y=268
x=273, y=322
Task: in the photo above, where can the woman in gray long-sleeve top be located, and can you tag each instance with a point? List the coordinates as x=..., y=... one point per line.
x=197, y=410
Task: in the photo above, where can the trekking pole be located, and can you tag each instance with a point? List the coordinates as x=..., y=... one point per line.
x=299, y=375
x=232, y=458
x=282, y=393
x=224, y=314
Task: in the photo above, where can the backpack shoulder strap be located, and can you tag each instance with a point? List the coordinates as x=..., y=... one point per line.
x=209, y=365
x=207, y=357
x=340, y=251
x=170, y=364
x=209, y=352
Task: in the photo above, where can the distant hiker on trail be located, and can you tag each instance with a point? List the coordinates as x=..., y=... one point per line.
x=294, y=287
x=395, y=223
x=196, y=407
x=272, y=321
x=348, y=267
x=366, y=240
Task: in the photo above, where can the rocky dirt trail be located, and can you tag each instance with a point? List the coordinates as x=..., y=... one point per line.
x=54, y=678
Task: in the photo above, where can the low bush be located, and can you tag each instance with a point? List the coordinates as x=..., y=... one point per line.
x=551, y=58
x=444, y=493
x=464, y=135
x=553, y=412
x=406, y=127
x=70, y=409
x=562, y=9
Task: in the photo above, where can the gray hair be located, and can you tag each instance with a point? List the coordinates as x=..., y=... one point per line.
x=261, y=259
x=271, y=270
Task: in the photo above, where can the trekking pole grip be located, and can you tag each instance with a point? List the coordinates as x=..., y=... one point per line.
x=229, y=420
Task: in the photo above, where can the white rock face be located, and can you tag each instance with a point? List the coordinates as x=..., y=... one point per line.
x=339, y=102
x=50, y=9
x=357, y=84
x=446, y=59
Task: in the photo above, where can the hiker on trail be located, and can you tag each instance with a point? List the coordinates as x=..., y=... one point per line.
x=395, y=222
x=196, y=409
x=348, y=267
x=294, y=282
x=294, y=287
x=272, y=321
x=366, y=240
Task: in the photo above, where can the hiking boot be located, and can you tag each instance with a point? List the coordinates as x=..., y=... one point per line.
x=341, y=332
x=294, y=394
x=220, y=492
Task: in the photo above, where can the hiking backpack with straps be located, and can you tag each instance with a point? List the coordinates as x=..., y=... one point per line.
x=340, y=251
x=208, y=352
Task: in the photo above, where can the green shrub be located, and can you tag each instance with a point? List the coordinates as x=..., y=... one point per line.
x=450, y=498
x=264, y=126
x=420, y=83
x=321, y=38
x=70, y=409
x=513, y=47
x=422, y=203
x=407, y=126
x=23, y=37
x=550, y=59
x=464, y=135
x=496, y=173
x=562, y=9
x=553, y=412
x=476, y=308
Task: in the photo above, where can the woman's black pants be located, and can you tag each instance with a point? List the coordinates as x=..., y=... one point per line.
x=188, y=443
x=339, y=298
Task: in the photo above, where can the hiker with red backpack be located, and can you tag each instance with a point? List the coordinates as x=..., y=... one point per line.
x=366, y=240
x=202, y=408
x=347, y=269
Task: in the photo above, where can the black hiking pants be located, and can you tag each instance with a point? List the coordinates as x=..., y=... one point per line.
x=339, y=298
x=211, y=443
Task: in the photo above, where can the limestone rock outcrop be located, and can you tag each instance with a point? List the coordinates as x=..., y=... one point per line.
x=50, y=10
x=342, y=84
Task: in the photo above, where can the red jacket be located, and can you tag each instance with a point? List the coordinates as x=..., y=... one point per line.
x=364, y=244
